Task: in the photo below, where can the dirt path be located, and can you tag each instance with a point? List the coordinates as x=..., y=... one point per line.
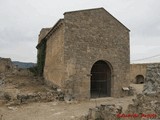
x=51, y=110
x=57, y=111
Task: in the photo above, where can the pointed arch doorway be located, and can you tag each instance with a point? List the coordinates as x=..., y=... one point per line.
x=100, y=79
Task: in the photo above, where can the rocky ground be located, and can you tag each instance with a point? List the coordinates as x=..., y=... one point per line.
x=25, y=97
x=28, y=98
x=19, y=89
x=56, y=110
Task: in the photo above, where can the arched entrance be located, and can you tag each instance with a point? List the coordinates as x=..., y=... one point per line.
x=139, y=79
x=100, y=80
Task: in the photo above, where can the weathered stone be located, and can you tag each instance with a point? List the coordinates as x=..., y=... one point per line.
x=1, y=82
x=151, y=90
x=152, y=83
x=60, y=96
x=43, y=33
x=119, y=109
x=84, y=117
x=95, y=114
x=137, y=70
x=131, y=91
x=77, y=42
x=103, y=112
x=7, y=96
x=12, y=108
x=5, y=65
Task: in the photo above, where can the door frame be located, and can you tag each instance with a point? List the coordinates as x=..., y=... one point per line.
x=108, y=80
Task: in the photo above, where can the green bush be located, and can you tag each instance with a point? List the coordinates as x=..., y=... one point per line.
x=41, y=57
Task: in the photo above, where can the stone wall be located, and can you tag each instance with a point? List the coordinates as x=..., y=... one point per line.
x=54, y=61
x=147, y=104
x=137, y=69
x=83, y=38
x=93, y=35
x=5, y=65
x=152, y=83
x=8, y=68
x=43, y=33
x=103, y=112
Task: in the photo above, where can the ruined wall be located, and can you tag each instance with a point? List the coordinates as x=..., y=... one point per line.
x=90, y=36
x=137, y=69
x=148, y=103
x=103, y=112
x=43, y=33
x=5, y=65
x=41, y=50
x=152, y=83
x=54, y=61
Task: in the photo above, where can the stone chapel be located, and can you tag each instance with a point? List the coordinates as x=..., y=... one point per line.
x=86, y=54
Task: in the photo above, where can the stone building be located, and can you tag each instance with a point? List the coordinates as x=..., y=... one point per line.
x=86, y=54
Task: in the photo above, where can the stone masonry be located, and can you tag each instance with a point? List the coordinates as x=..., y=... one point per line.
x=76, y=42
x=137, y=70
x=152, y=83
x=147, y=104
x=5, y=65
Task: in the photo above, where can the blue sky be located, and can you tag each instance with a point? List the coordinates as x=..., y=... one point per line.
x=22, y=20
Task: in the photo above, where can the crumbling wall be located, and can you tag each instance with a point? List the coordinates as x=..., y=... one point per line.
x=5, y=65
x=137, y=69
x=43, y=33
x=152, y=83
x=147, y=104
x=103, y=112
x=7, y=68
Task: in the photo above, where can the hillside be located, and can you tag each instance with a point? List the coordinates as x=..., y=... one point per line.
x=23, y=64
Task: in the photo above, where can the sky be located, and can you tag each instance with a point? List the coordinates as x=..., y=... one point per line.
x=22, y=20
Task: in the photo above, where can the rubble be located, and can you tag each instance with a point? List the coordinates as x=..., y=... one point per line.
x=145, y=106
x=5, y=65
x=152, y=82
x=102, y=112
x=19, y=86
x=148, y=102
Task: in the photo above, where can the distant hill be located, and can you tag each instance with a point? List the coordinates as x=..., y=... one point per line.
x=23, y=64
